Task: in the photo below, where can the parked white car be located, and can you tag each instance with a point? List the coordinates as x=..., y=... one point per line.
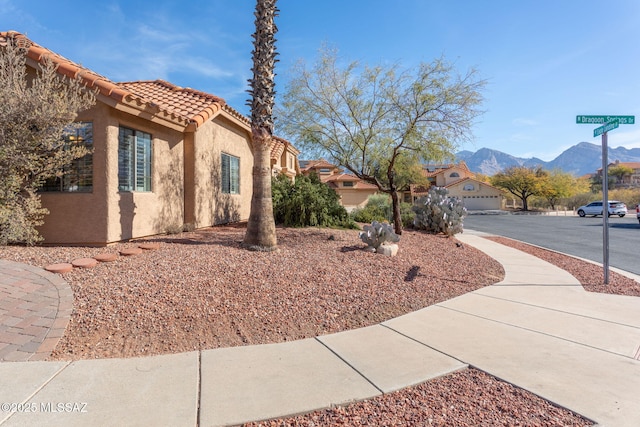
x=595, y=208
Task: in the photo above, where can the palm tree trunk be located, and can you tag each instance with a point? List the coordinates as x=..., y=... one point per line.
x=261, y=228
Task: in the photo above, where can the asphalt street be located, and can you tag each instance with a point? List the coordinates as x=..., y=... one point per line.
x=573, y=235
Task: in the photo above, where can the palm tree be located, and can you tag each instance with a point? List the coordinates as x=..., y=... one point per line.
x=261, y=229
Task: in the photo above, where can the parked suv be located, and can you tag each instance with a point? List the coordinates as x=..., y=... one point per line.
x=595, y=208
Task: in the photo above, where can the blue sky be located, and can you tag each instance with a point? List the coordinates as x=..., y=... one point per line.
x=546, y=61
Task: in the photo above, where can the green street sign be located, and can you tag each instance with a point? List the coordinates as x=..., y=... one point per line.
x=593, y=120
x=606, y=128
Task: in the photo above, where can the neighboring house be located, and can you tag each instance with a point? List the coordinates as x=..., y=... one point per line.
x=461, y=183
x=284, y=158
x=353, y=191
x=630, y=180
x=163, y=156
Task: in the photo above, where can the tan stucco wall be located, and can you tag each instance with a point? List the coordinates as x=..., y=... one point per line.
x=211, y=206
x=82, y=217
x=445, y=178
x=138, y=214
x=108, y=215
x=350, y=198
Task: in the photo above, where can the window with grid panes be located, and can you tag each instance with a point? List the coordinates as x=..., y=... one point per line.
x=230, y=174
x=78, y=176
x=134, y=160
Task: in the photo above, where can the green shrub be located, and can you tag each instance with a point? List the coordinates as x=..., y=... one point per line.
x=439, y=213
x=407, y=215
x=307, y=202
x=378, y=208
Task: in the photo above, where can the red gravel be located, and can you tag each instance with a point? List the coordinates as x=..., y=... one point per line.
x=201, y=290
x=468, y=398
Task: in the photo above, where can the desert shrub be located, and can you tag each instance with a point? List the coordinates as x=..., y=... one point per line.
x=35, y=113
x=439, y=213
x=307, y=202
x=630, y=196
x=407, y=214
x=378, y=208
x=582, y=199
x=20, y=214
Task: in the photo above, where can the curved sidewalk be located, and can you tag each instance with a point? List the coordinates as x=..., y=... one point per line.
x=538, y=329
x=35, y=308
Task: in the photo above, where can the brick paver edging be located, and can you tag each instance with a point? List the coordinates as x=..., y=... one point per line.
x=35, y=308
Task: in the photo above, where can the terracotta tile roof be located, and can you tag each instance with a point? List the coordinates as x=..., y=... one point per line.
x=359, y=184
x=632, y=165
x=419, y=189
x=433, y=170
x=277, y=148
x=188, y=104
x=316, y=164
x=181, y=106
x=342, y=177
x=66, y=67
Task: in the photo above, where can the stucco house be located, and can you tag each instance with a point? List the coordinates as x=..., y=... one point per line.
x=461, y=183
x=284, y=158
x=353, y=191
x=163, y=156
x=628, y=180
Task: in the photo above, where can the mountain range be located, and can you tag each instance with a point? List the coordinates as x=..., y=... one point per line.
x=580, y=159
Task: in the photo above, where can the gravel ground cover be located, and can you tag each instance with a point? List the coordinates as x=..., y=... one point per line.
x=200, y=290
x=468, y=398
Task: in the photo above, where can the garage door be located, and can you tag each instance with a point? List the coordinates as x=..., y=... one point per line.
x=481, y=203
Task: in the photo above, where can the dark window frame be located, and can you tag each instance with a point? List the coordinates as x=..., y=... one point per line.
x=135, y=160
x=230, y=174
x=78, y=176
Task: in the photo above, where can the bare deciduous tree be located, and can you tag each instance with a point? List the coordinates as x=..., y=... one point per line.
x=377, y=122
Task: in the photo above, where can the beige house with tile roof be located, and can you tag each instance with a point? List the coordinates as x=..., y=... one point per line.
x=163, y=156
x=284, y=158
x=461, y=183
x=630, y=180
x=353, y=191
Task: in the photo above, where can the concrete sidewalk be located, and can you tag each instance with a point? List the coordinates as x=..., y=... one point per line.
x=537, y=329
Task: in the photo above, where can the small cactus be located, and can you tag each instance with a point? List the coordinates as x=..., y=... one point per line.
x=378, y=233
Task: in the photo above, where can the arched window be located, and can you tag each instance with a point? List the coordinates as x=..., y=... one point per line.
x=454, y=175
x=468, y=187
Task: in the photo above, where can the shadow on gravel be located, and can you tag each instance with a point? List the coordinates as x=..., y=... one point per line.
x=351, y=248
x=412, y=273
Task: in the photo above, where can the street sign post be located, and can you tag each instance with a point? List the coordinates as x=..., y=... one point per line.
x=606, y=128
x=598, y=120
x=609, y=123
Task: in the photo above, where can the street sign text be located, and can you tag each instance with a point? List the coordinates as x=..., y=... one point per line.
x=593, y=120
x=606, y=128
